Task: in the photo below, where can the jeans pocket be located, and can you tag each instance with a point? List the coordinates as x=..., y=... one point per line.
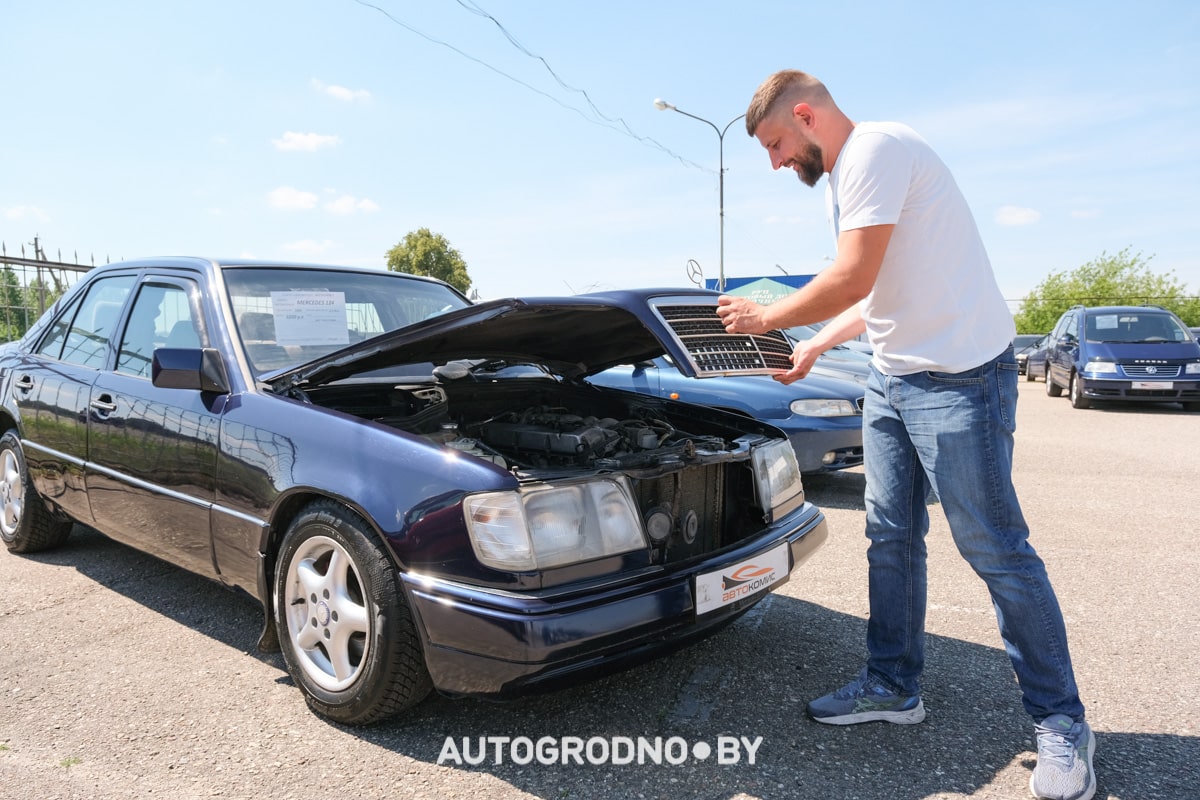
x=957, y=378
x=1006, y=394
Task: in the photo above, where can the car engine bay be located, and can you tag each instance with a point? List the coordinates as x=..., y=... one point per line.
x=689, y=467
x=534, y=425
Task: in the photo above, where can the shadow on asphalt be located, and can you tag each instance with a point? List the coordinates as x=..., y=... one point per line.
x=751, y=680
x=1128, y=407
x=842, y=489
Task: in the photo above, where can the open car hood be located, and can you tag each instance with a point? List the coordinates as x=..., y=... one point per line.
x=570, y=336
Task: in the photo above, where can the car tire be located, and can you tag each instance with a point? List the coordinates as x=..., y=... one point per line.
x=26, y=524
x=345, y=627
x=1029, y=376
x=1052, y=388
x=1075, y=393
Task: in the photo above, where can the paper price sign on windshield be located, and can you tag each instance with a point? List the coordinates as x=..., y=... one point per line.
x=305, y=318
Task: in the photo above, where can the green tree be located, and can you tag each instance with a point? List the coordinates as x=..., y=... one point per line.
x=1121, y=279
x=426, y=253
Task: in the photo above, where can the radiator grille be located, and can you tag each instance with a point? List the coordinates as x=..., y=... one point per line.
x=714, y=352
x=1151, y=370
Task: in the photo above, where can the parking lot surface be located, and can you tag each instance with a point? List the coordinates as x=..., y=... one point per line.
x=124, y=677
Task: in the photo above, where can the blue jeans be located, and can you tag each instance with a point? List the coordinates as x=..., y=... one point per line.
x=954, y=432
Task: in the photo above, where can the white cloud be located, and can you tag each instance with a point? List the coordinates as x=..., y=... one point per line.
x=26, y=214
x=348, y=204
x=288, y=198
x=306, y=142
x=341, y=92
x=1011, y=216
x=308, y=246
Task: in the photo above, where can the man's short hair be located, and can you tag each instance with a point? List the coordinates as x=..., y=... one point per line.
x=787, y=85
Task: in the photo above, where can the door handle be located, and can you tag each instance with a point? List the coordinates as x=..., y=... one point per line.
x=24, y=383
x=104, y=403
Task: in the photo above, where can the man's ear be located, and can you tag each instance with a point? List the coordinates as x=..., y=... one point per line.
x=802, y=113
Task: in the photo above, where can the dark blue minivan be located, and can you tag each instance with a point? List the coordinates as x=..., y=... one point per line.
x=1132, y=353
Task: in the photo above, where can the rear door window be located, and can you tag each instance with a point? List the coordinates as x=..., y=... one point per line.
x=85, y=340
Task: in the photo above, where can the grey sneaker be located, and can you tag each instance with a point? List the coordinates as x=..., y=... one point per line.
x=865, y=699
x=1064, y=765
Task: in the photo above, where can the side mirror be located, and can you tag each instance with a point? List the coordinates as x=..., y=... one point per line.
x=189, y=368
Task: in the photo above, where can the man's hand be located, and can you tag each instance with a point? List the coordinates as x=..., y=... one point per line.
x=740, y=315
x=804, y=355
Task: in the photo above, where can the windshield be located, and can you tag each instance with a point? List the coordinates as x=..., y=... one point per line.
x=288, y=316
x=1023, y=340
x=838, y=352
x=1134, y=326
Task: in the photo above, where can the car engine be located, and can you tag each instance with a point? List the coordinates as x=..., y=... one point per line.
x=689, y=471
x=546, y=437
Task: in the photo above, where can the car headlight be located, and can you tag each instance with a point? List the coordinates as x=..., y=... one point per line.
x=1192, y=368
x=1102, y=367
x=544, y=526
x=823, y=408
x=777, y=477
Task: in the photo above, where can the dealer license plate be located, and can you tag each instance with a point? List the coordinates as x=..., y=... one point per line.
x=728, y=585
x=1153, y=385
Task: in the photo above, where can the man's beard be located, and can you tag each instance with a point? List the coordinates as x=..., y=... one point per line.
x=809, y=164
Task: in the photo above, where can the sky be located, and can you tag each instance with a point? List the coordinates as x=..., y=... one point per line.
x=525, y=131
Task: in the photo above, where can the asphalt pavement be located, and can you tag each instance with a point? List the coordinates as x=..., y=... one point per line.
x=125, y=677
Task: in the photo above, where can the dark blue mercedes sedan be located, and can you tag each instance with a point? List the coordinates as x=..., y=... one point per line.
x=421, y=493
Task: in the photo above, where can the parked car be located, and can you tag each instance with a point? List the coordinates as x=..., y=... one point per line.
x=1137, y=353
x=1035, y=362
x=821, y=416
x=420, y=492
x=1023, y=345
x=858, y=343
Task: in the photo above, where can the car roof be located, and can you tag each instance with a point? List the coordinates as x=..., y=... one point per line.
x=206, y=264
x=1126, y=310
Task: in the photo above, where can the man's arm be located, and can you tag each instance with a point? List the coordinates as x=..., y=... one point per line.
x=839, y=286
x=846, y=326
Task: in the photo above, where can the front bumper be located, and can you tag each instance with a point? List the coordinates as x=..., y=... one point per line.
x=490, y=643
x=845, y=445
x=1143, y=390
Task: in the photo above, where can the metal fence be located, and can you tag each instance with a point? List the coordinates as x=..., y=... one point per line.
x=28, y=286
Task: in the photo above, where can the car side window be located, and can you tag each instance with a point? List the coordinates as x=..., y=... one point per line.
x=52, y=345
x=85, y=341
x=161, y=317
x=1068, y=325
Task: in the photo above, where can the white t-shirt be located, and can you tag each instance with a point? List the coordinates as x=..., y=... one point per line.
x=935, y=305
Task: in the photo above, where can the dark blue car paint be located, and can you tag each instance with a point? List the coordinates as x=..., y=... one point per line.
x=229, y=469
x=534, y=641
x=1069, y=351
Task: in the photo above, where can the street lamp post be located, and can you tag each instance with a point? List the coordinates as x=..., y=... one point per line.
x=663, y=105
